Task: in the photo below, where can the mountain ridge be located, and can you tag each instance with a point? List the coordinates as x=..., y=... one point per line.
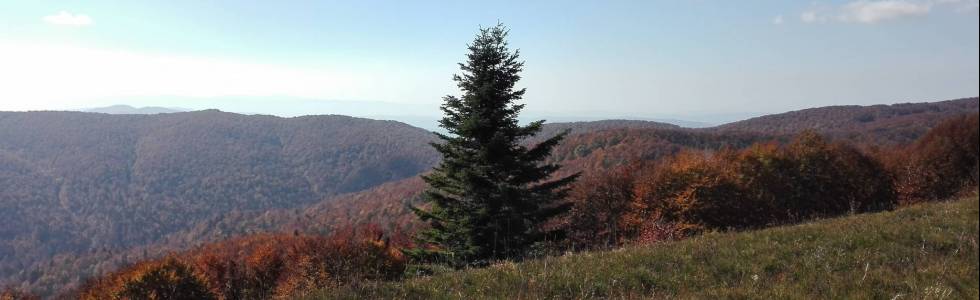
x=882, y=123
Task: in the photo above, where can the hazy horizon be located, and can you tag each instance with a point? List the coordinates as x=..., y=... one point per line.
x=418, y=115
x=689, y=60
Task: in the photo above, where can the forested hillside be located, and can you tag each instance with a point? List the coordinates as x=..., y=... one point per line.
x=82, y=193
x=74, y=183
x=590, y=147
x=880, y=124
x=387, y=205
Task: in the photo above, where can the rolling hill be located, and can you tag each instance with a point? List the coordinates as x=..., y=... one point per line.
x=594, y=146
x=880, y=124
x=386, y=205
x=75, y=183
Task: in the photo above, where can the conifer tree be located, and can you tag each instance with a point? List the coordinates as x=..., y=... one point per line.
x=490, y=194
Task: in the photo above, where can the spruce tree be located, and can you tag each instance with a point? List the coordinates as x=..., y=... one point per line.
x=490, y=194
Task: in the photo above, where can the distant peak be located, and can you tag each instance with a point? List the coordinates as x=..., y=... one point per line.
x=123, y=109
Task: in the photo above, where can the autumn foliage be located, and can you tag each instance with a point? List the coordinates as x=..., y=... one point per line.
x=168, y=278
x=769, y=184
x=13, y=294
x=763, y=185
x=257, y=267
x=601, y=200
x=940, y=164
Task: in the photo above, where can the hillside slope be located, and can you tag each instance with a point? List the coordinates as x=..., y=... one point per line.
x=82, y=183
x=925, y=251
x=590, y=147
x=386, y=205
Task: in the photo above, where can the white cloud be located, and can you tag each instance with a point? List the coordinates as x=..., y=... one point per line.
x=870, y=12
x=65, y=18
x=778, y=20
x=878, y=11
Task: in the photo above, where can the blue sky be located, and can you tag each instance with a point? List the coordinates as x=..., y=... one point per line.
x=611, y=58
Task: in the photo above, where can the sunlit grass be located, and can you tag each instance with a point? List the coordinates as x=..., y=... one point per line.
x=927, y=251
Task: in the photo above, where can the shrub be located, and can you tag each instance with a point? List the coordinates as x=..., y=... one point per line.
x=264, y=266
x=766, y=184
x=695, y=190
x=283, y=266
x=815, y=178
x=163, y=279
x=600, y=202
x=940, y=164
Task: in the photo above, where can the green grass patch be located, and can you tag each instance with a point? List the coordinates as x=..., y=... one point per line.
x=927, y=251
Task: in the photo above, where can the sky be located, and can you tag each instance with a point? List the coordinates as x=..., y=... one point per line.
x=694, y=60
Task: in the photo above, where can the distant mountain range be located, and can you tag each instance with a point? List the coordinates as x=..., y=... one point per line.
x=129, y=110
x=418, y=115
x=888, y=124
x=82, y=193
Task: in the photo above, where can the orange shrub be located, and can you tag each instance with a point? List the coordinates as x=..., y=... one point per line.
x=258, y=267
x=162, y=279
x=694, y=190
x=766, y=184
